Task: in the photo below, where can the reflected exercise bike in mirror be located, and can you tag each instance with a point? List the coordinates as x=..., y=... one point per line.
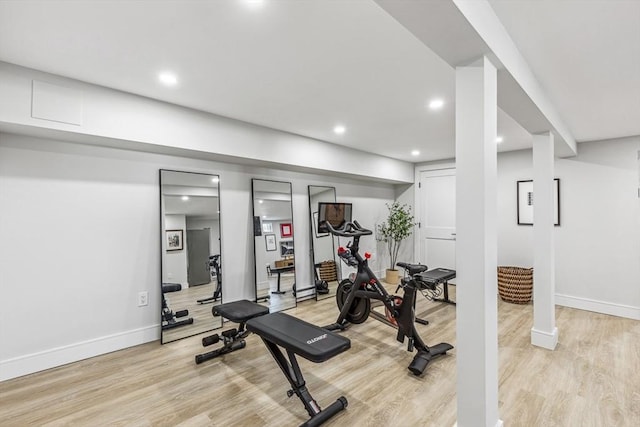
x=274, y=251
x=326, y=271
x=191, y=263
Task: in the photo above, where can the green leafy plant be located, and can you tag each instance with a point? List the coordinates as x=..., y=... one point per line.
x=397, y=227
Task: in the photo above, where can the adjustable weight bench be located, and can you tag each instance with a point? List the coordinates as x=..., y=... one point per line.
x=233, y=339
x=279, y=332
x=437, y=276
x=309, y=341
x=168, y=316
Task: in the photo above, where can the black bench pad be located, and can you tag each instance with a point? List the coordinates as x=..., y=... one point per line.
x=171, y=287
x=240, y=311
x=438, y=275
x=309, y=341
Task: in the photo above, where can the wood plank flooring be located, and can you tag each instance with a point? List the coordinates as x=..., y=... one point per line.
x=592, y=379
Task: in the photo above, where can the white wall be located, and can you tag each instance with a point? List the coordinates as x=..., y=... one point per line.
x=134, y=122
x=83, y=224
x=175, y=262
x=598, y=242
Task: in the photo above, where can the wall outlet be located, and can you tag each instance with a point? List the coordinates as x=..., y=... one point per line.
x=143, y=298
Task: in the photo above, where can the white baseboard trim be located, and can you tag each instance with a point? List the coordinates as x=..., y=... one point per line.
x=51, y=358
x=548, y=340
x=619, y=310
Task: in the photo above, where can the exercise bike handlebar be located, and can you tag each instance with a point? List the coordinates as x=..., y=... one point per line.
x=349, y=229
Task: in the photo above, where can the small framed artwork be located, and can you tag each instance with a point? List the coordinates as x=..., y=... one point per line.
x=525, y=202
x=270, y=241
x=315, y=226
x=267, y=227
x=175, y=240
x=286, y=230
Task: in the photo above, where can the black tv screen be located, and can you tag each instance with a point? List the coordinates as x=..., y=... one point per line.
x=336, y=214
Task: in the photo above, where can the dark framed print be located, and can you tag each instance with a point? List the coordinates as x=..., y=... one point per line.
x=286, y=230
x=175, y=240
x=270, y=242
x=525, y=202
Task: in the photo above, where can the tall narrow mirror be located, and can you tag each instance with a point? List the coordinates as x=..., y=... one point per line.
x=191, y=263
x=273, y=244
x=326, y=271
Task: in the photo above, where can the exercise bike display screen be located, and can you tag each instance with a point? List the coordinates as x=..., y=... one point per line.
x=336, y=214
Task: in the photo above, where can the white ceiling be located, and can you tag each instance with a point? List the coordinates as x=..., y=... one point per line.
x=305, y=66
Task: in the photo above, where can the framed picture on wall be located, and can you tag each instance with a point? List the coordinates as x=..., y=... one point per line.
x=525, y=202
x=315, y=227
x=270, y=241
x=286, y=230
x=175, y=240
x=267, y=227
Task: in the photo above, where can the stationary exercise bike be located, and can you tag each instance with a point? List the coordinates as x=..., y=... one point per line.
x=214, y=262
x=354, y=298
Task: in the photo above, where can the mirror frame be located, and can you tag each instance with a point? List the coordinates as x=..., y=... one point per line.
x=313, y=239
x=199, y=311
x=258, y=235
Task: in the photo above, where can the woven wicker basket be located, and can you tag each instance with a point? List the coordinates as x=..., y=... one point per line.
x=515, y=284
x=328, y=271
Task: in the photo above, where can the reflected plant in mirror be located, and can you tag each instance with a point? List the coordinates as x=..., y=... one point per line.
x=191, y=260
x=274, y=249
x=326, y=269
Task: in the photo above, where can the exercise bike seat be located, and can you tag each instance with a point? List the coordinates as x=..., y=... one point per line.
x=412, y=269
x=240, y=311
x=295, y=335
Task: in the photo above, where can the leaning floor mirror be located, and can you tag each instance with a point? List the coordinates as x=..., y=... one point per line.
x=274, y=250
x=191, y=263
x=326, y=271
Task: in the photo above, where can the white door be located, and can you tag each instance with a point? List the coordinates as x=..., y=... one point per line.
x=438, y=218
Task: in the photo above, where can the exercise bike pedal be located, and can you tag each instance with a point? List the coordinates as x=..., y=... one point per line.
x=182, y=313
x=230, y=333
x=290, y=393
x=210, y=340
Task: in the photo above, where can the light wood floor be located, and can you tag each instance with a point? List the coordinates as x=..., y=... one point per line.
x=592, y=379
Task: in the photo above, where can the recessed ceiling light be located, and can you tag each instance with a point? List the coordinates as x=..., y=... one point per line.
x=415, y=153
x=254, y=4
x=436, y=104
x=260, y=201
x=168, y=79
x=499, y=139
x=185, y=198
x=339, y=129
x=215, y=179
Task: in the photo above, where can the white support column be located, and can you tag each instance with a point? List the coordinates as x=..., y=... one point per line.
x=476, y=245
x=544, y=332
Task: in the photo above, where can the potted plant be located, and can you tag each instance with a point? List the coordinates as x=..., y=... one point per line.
x=397, y=227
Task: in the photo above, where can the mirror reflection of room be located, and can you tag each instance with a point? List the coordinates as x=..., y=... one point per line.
x=326, y=273
x=191, y=259
x=274, y=244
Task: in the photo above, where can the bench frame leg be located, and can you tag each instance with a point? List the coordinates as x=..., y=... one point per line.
x=445, y=286
x=291, y=371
